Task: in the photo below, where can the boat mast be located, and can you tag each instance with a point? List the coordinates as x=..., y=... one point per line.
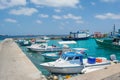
x=114, y=30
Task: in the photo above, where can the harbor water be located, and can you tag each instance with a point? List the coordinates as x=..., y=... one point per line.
x=93, y=50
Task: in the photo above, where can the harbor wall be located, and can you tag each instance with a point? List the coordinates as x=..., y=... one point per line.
x=108, y=73
x=15, y=65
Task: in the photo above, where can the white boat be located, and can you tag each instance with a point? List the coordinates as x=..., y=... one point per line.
x=41, y=41
x=23, y=42
x=72, y=62
x=43, y=47
x=67, y=42
x=51, y=56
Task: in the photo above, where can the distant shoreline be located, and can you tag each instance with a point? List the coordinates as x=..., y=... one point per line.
x=2, y=37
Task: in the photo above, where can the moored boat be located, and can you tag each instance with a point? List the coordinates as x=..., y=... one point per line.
x=43, y=47
x=24, y=43
x=51, y=56
x=111, y=43
x=56, y=55
x=72, y=62
x=80, y=35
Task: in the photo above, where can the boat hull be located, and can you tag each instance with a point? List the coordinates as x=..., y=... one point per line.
x=106, y=44
x=44, y=50
x=51, y=56
x=75, y=39
x=64, y=70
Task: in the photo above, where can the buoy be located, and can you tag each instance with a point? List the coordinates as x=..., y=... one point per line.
x=55, y=78
x=68, y=76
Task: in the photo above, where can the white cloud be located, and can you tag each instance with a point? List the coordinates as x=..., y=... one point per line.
x=68, y=16
x=71, y=16
x=10, y=20
x=56, y=17
x=39, y=21
x=10, y=3
x=23, y=11
x=57, y=10
x=108, y=16
x=77, y=19
x=57, y=3
x=109, y=0
x=43, y=15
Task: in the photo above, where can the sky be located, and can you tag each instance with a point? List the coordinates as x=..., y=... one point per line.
x=58, y=17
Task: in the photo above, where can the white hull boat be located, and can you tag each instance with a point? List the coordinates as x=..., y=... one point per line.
x=65, y=70
x=43, y=48
x=72, y=62
x=61, y=67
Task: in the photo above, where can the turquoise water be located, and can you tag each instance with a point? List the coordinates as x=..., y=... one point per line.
x=93, y=50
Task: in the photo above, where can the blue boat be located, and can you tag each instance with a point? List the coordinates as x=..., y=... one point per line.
x=56, y=55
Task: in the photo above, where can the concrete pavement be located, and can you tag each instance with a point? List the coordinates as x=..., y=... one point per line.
x=14, y=64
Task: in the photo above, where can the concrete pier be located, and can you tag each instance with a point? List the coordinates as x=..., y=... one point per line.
x=109, y=73
x=14, y=64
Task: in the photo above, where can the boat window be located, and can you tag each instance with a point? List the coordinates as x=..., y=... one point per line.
x=63, y=57
x=70, y=58
x=42, y=46
x=77, y=57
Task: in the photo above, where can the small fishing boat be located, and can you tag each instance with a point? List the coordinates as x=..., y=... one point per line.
x=43, y=47
x=40, y=41
x=72, y=62
x=51, y=56
x=65, y=48
x=24, y=43
x=56, y=55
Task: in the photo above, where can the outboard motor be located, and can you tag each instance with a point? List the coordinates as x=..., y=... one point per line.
x=113, y=58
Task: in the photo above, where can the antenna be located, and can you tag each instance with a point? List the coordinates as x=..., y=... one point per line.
x=114, y=29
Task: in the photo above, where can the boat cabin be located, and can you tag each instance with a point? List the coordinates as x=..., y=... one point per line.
x=72, y=57
x=116, y=41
